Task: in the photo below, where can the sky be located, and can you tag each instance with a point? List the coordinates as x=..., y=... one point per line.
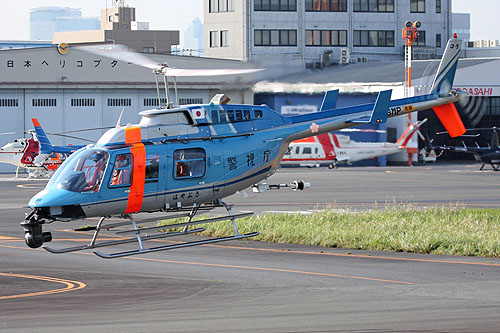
x=161, y=15
x=176, y=15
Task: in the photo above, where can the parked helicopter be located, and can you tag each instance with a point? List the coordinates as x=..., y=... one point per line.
x=331, y=149
x=487, y=155
x=35, y=154
x=189, y=158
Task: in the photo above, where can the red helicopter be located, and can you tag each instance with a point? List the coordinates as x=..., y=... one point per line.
x=35, y=154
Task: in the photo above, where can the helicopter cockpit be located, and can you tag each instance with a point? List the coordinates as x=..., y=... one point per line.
x=82, y=172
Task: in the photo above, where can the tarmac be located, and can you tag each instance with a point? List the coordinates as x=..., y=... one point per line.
x=250, y=286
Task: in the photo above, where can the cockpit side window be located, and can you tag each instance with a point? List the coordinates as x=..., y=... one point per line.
x=93, y=168
x=122, y=171
x=189, y=163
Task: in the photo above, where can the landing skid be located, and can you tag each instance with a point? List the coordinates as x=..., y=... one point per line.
x=140, y=238
x=495, y=166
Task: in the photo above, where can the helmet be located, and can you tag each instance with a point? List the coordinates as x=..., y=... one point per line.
x=97, y=156
x=121, y=157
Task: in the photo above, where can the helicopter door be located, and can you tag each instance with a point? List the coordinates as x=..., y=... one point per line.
x=117, y=189
x=120, y=187
x=153, y=182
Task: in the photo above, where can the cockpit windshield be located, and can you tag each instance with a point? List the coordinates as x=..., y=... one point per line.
x=82, y=172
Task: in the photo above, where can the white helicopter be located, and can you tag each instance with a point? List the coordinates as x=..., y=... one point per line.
x=330, y=149
x=187, y=159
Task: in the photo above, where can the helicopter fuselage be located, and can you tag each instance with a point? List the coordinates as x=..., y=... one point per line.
x=190, y=155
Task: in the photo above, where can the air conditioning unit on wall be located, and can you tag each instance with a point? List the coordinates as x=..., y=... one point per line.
x=345, y=56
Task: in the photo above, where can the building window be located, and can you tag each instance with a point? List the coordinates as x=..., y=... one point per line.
x=326, y=37
x=493, y=105
x=119, y=102
x=326, y=5
x=214, y=39
x=438, y=40
x=373, y=38
x=275, y=5
x=380, y=6
x=224, y=38
x=43, y=102
x=9, y=102
x=420, y=39
x=189, y=163
x=83, y=102
x=148, y=50
x=275, y=37
x=188, y=101
x=438, y=6
x=218, y=6
x=417, y=6
x=154, y=101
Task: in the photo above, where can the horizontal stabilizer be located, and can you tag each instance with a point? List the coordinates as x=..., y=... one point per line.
x=449, y=117
x=380, y=110
x=330, y=100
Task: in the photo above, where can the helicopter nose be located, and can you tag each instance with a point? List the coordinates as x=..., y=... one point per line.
x=54, y=197
x=57, y=203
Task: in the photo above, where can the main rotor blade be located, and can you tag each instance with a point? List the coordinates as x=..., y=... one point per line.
x=465, y=135
x=71, y=137
x=208, y=72
x=422, y=137
x=120, y=52
x=83, y=130
x=11, y=133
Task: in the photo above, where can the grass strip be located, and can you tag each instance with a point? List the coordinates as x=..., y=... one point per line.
x=450, y=230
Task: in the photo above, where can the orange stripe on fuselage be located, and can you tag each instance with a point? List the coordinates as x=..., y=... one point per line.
x=136, y=194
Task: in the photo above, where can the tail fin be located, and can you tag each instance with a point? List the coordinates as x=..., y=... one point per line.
x=447, y=67
x=45, y=145
x=443, y=82
x=330, y=100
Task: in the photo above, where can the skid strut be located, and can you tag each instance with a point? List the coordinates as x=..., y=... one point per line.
x=141, y=238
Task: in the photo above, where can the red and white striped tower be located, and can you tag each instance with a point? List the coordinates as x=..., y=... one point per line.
x=410, y=35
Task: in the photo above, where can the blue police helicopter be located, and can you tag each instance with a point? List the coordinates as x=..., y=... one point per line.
x=187, y=159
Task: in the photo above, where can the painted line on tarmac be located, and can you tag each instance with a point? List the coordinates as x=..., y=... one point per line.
x=31, y=186
x=218, y=265
x=363, y=256
x=322, y=253
x=9, y=238
x=274, y=270
x=70, y=285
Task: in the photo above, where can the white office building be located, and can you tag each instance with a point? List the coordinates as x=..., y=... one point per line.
x=316, y=32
